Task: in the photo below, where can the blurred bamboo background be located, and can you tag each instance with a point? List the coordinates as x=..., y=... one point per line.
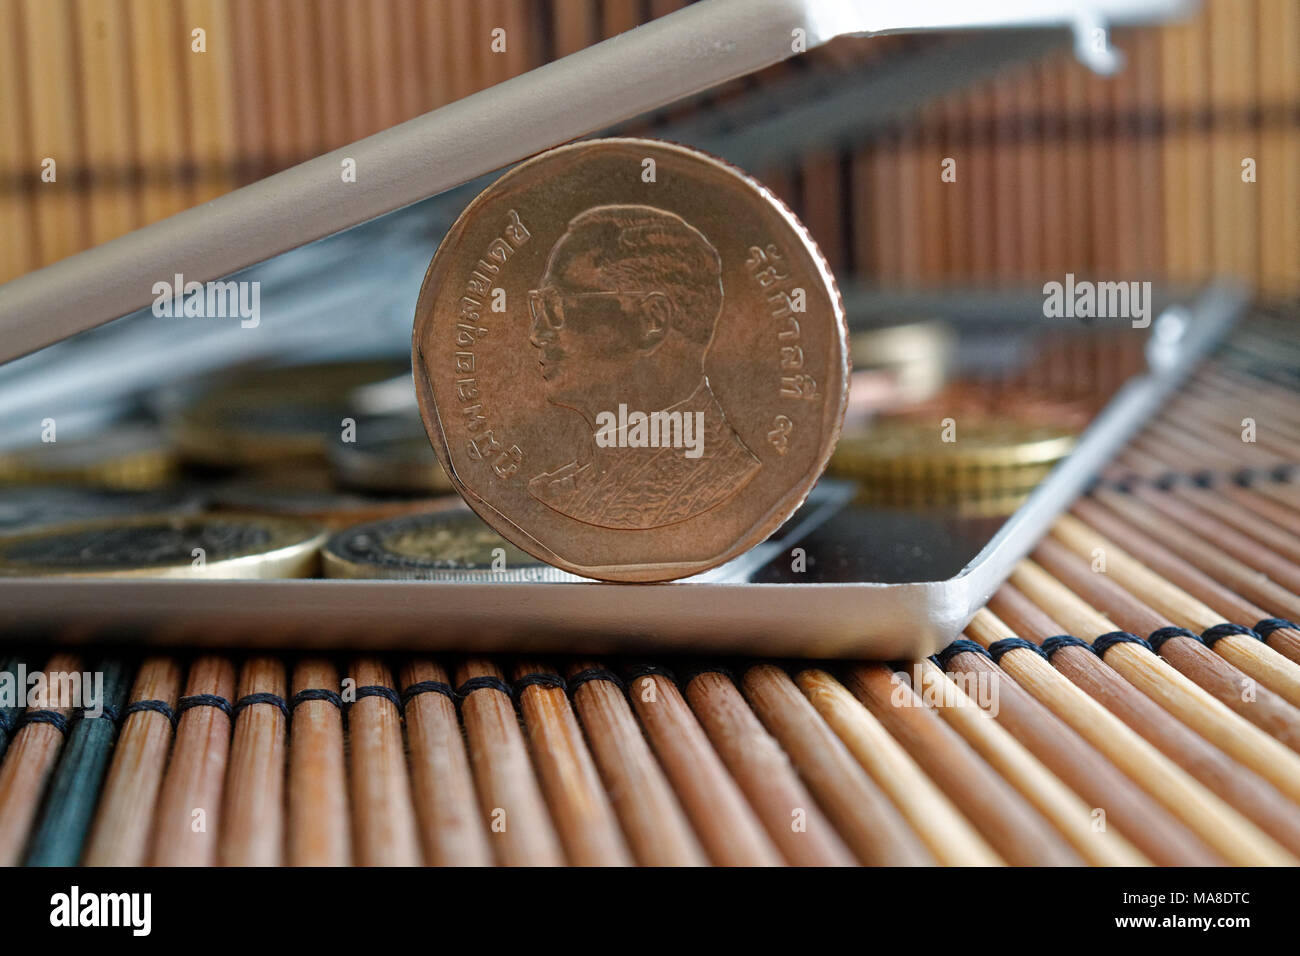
x=1139, y=176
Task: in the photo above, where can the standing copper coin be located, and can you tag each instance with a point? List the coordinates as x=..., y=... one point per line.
x=631, y=359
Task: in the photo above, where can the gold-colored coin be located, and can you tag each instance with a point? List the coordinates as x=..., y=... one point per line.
x=273, y=417
x=167, y=546
x=454, y=545
x=135, y=457
x=909, y=462
x=391, y=457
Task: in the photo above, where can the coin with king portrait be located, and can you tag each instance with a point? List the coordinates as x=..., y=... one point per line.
x=631, y=359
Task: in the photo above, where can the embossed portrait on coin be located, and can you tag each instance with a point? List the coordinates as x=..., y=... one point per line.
x=622, y=320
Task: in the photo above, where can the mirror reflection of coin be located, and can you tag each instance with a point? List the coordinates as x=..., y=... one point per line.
x=167, y=546
x=389, y=456
x=273, y=417
x=308, y=493
x=444, y=546
x=24, y=507
x=129, y=456
x=631, y=359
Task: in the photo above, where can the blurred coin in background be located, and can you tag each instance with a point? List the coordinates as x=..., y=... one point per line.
x=391, y=455
x=275, y=416
x=977, y=445
x=132, y=456
x=23, y=507
x=454, y=545
x=167, y=546
x=309, y=492
x=897, y=365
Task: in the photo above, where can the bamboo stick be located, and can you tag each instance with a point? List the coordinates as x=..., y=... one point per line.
x=1225, y=682
x=1225, y=538
x=1124, y=804
x=318, y=825
x=30, y=760
x=1272, y=534
x=124, y=818
x=1169, y=688
x=793, y=820
x=252, y=821
x=189, y=807
x=75, y=788
x=1217, y=824
x=869, y=823
x=1247, y=655
x=723, y=820
x=510, y=800
x=653, y=820
x=579, y=807
x=1283, y=492
x=1243, y=789
x=947, y=834
x=383, y=817
x=1267, y=509
x=1053, y=799
x=1156, y=556
x=1006, y=819
x=451, y=830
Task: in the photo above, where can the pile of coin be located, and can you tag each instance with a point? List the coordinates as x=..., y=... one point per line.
x=975, y=448
x=246, y=477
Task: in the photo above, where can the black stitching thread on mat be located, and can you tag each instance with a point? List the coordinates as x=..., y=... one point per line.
x=1158, y=637
x=595, y=673
x=106, y=711
x=377, y=690
x=998, y=648
x=315, y=693
x=1058, y=641
x=427, y=687
x=959, y=646
x=51, y=717
x=486, y=682
x=636, y=671
x=540, y=680
x=153, y=706
x=203, y=700
x=1104, y=643
x=1266, y=627
x=248, y=700
x=1212, y=635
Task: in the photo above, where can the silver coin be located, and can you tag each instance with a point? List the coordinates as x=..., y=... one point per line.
x=442, y=546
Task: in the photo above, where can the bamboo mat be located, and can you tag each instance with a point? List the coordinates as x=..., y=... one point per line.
x=1131, y=696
